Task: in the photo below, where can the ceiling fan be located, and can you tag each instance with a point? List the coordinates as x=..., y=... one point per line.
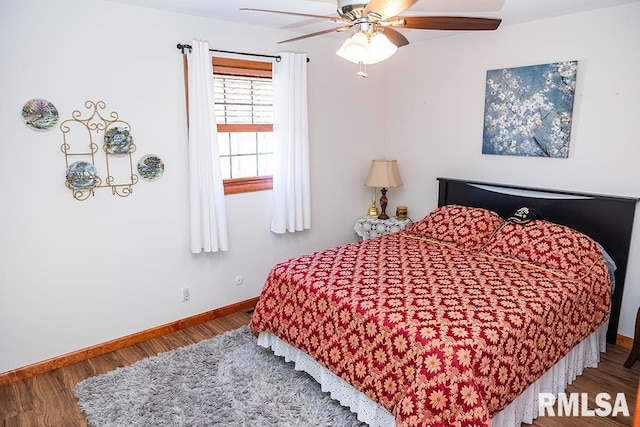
x=374, y=24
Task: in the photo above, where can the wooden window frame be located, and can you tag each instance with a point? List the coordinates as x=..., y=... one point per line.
x=246, y=68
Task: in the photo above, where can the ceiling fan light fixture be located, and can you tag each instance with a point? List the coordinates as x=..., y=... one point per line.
x=355, y=48
x=364, y=49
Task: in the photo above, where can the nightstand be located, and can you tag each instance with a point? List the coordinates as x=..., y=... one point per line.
x=368, y=227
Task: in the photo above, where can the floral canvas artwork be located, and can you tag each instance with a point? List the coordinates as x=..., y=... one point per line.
x=528, y=110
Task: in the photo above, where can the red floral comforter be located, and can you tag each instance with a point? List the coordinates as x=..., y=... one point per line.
x=437, y=335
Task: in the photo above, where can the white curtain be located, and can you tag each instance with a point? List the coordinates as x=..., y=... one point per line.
x=291, y=210
x=208, y=219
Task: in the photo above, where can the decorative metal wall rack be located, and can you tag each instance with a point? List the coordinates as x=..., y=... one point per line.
x=80, y=152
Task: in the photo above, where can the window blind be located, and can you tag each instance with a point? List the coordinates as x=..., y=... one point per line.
x=243, y=100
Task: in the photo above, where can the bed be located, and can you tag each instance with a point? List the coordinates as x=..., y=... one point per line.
x=463, y=318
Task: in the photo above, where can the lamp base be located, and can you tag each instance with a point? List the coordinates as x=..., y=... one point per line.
x=383, y=204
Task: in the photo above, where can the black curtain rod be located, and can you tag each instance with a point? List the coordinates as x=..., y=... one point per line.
x=182, y=47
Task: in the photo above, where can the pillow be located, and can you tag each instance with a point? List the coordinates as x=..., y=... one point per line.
x=546, y=244
x=468, y=228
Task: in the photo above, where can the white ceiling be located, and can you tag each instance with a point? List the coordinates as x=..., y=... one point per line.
x=511, y=11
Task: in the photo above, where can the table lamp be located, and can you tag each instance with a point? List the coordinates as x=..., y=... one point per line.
x=383, y=174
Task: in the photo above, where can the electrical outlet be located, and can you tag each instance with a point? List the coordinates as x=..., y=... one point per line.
x=185, y=294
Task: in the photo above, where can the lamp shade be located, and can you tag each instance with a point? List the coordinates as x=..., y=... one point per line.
x=383, y=174
x=355, y=48
x=361, y=48
x=380, y=48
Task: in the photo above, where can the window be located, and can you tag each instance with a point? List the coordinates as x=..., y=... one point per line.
x=244, y=110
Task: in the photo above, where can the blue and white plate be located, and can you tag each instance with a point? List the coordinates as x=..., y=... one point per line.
x=117, y=140
x=39, y=114
x=150, y=167
x=81, y=175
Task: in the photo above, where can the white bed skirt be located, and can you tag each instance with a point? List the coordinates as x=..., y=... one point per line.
x=524, y=409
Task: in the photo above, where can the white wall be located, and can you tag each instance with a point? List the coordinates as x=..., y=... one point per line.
x=77, y=273
x=434, y=129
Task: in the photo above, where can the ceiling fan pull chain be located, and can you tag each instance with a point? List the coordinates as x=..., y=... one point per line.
x=363, y=70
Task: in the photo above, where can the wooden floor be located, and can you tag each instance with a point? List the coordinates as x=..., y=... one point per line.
x=48, y=399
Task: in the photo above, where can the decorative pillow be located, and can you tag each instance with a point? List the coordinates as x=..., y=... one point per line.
x=548, y=245
x=467, y=227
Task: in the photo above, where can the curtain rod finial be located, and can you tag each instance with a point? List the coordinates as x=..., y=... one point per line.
x=182, y=47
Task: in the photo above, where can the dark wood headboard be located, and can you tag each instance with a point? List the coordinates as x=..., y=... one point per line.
x=606, y=219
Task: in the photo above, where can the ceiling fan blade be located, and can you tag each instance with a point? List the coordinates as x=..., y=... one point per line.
x=387, y=8
x=459, y=23
x=331, y=30
x=395, y=37
x=458, y=6
x=333, y=18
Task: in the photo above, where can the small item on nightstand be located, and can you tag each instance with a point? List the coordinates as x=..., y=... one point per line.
x=373, y=210
x=401, y=212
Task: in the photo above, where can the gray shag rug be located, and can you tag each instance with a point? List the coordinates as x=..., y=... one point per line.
x=224, y=381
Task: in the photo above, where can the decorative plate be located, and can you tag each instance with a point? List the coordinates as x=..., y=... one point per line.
x=39, y=114
x=150, y=167
x=81, y=175
x=117, y=140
